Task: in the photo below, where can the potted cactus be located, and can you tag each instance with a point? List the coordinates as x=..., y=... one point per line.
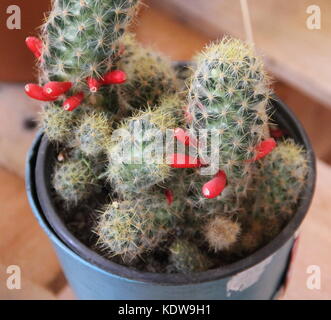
x=157, y=180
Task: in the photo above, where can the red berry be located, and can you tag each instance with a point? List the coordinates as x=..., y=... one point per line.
x=215, y=186
x=36, y=92
x=54, y=89
x=94, y=84
x=35, y=45
x=264, y=148
x=73, y=102
x=115, y=77
x=277, y=133
x=179, y=160
x=184, y=137
x=170, y=196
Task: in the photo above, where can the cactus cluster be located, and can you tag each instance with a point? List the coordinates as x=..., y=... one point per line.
x=189, y=175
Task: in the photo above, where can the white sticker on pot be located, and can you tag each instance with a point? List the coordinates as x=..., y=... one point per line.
x=247, y=278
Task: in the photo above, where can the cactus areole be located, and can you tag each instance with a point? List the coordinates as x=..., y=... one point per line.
x=148, y=194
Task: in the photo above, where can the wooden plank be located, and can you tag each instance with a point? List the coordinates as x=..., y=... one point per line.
x=22, y=241
x=294, y=53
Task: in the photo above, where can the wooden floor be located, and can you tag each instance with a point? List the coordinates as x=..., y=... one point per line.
x=23, y=243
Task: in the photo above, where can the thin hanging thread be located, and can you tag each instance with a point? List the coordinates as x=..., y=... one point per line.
x=247, y=21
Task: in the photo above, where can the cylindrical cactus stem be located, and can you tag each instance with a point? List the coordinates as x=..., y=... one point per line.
x=80, y=38
x=79, y=47
x=228, y=97
x=185, y=257
x=278, y=181
x=132, y=227
x=75, y=180
x=136, y=155
x=150, y=76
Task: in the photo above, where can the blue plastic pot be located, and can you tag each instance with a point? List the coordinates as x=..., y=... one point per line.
x=259, y=276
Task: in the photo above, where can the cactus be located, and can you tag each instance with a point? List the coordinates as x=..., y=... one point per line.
x=279, y=179
x=221, y=233
x=186, y=257
x=80, y=38
x=75, y=180
x=228, y=96
x=150, y=76
x=131, y=176
x=156, y=204
x=58, y=124
x=94, y=133
x=130, y=228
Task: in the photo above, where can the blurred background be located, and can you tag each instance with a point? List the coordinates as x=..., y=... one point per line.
x=297, y=56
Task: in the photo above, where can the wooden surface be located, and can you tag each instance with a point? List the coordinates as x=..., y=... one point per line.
x=295, y=54
x=16, y=61
x=22, y=242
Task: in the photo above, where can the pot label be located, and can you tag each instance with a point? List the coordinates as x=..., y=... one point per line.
x=247, y=278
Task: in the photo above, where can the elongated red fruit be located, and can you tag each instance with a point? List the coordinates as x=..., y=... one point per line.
x=184, y=137
x=277, y=133
x=179, y=160
x=36, y=92
x=115, y=77
x=73, y=102
x=170, y=196
x=35, y=45
x=55, y=89
x=94, y=84
x=264, y=148
x=215, y=186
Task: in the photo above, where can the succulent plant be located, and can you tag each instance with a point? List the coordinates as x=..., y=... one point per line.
x=94, y=133
x=136, y=159
x=131, y=227
x=150, y=76
x=228, y=99
x=80, y=38
x=75, y=180
x=279, y=180
x=221, y=233
x=187, y=169
x=186, y=257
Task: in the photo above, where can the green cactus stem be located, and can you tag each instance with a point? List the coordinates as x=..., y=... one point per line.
x=75, y=180
x=150, y=76
x=228, y=97
x=94, y=133
x=279, y=180
x=143, y=168
x=186, y=257
x=80, y=38
x=130, y=228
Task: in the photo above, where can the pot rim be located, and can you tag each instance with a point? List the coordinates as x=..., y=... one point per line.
x=38, y=186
